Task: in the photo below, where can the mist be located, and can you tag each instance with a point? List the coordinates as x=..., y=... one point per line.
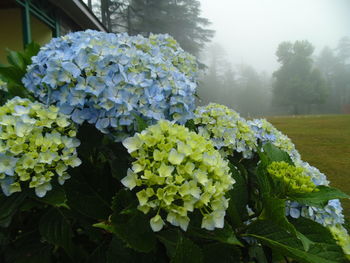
x=250, y=30
x=247, y=36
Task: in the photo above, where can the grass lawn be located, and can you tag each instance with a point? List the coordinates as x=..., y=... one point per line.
x=324, y=142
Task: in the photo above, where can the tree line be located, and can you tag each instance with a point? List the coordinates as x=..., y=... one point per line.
x=179, y=18
x=304, y=83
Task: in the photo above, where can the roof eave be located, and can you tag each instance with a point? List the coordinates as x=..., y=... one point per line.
x=80, y=14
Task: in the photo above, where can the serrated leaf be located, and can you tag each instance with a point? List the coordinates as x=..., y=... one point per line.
x=283, y=242
x=169, y=239
x=135, y=230
x=224, y=235
x=257, y=252
x=264, y=184
x=319, y=198
x=274, y=211
x=84, y=198
x=238, y=196
x=55, y=197
x=56, y=229
x=9, y=206
x=187, y=251
x=274, y=154
x=124, y=199
x=221, y=253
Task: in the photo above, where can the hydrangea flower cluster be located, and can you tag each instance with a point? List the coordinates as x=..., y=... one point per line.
x=342, y=237
x=331, y=214
x=265, y=132
x=37, y=143
x=177, y=171
x=291, y=179
x=227, y=130
x=107, y=79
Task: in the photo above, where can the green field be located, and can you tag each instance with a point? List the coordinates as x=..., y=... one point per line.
x=324, y=142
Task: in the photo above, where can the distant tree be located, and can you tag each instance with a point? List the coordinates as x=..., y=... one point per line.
x=239, y=87
x=335, y=68
x=252, y=97
x=211, y=86
x=343, y=50
x=179, y=18
x=297, y=85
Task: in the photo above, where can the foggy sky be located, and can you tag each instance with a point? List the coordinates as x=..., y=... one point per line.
x=250, y=30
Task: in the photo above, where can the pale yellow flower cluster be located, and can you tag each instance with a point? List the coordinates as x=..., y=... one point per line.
x=175, y=172
x=37, y=143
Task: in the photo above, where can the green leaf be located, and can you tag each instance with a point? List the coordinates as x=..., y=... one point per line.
x=224, y=235
x=135, y=230
x=264, y=184
x=98, y=255
x=191, y=125
x=274, y=211
x=141, y=123
x=16, y=60
x=9, y=206
x=11, y=74
x=118, y=252
x=237, y=212
x=257, y=252
x=85, y=199
x=169, y=239
x=275, y=154
x=32, y=49
x=56, y=230
x=221, y=253
x=187, y=251
x=319, y=198
x=31, y=253
x=131, y=225
x=285, y=243
x=55, y=197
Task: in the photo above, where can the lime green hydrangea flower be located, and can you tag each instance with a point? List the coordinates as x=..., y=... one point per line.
x=175, y=172
x=290, y=179
x=342, y=237
x=227, y=130
x=37, y=143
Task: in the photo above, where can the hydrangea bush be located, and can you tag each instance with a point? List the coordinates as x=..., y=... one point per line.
x=152, y=178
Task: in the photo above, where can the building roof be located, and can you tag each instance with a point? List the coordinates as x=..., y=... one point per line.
x=79, y=12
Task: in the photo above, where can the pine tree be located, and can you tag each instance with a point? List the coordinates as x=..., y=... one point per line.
x=179, y=18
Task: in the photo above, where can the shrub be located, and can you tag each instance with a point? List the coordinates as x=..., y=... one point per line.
x=231, y=190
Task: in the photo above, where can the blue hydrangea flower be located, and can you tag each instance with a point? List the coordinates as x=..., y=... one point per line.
x=265, y=132
x=107, y=79
x=228, y=131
